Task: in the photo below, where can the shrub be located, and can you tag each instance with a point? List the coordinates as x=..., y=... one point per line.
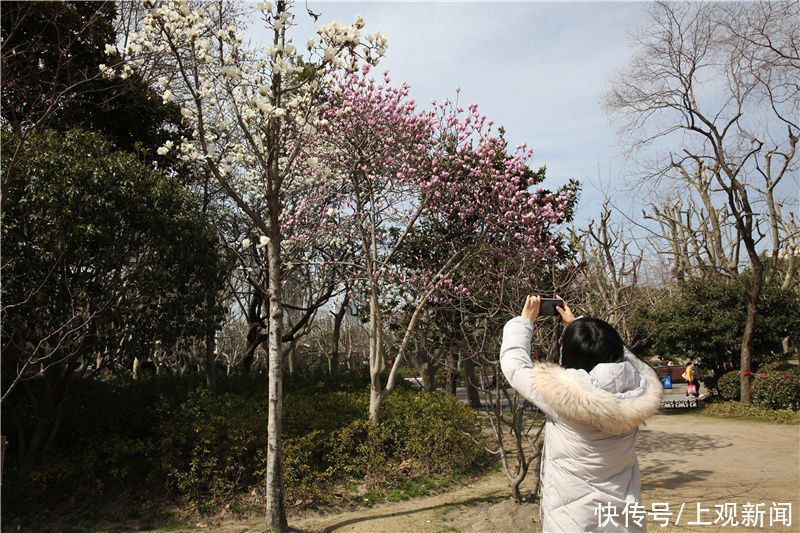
x=729, y=385
x=423, y=428
x=207, y=448
x=777, y=390
x=167, y=438
x=427, y=429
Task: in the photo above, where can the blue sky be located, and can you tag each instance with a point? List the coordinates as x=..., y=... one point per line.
x=536, y=68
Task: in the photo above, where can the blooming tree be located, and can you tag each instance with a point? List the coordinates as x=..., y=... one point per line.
x=251, y=114
x=471, y=307
x=398, y=170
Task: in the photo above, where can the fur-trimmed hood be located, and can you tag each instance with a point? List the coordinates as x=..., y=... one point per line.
x=613, y=398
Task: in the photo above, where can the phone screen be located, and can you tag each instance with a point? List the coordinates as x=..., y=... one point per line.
x=548, y=306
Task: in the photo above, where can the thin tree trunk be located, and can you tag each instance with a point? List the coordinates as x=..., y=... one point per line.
x=254, y=335
x=452, y=372
x=470, y=383
x=49, y=411
x=276, y=506
x=291, y=357
x=333, y=360
x=276, y=510
x=211, y=365
x=376, y=363
x=428, y=373
x=743, y=217
x=747, y=338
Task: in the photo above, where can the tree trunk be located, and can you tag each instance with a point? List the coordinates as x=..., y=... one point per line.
x=375, y=401
x=254, y=335
x=49, y=410
x=333, y=360
x=749, y=331
x=211, y=355
x=470, y=382
x=452, y=372
x=276, y=509
x=135, y=369
x=428, y=373
x=737, y=195
x=786, y=345
x=292, y=356
x=376, y=363
x=349, y=355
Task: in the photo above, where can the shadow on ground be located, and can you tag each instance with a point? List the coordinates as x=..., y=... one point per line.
x=676, y=469
x=406, y=512
x=678, y=444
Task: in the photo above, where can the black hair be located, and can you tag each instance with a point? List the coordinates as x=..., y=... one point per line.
x=588, y=342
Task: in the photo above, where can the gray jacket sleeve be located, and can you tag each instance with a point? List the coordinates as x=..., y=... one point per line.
x=515, y=362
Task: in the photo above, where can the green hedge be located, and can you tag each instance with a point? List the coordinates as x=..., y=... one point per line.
x=729, y=385
x=777, y=390
x=169, y=439
x=775, y=386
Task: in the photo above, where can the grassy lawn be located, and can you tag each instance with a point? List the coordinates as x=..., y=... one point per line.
x=741, y=412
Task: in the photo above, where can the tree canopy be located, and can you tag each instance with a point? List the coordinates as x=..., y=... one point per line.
x=103, y=258
x=704, y=319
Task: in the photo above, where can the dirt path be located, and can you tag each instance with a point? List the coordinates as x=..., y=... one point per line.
x=685, y=460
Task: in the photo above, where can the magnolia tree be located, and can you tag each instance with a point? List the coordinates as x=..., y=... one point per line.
x=252, y=115
x=490, y=288
x=391, y=171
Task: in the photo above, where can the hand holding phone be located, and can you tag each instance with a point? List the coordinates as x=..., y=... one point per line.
x=564, y=313
x=548, y=306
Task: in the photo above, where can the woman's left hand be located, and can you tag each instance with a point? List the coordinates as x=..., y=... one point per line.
x=531, y=309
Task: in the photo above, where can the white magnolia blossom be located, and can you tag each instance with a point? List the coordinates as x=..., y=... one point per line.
x=165, y=148
x=230, y=71
x=226, y=97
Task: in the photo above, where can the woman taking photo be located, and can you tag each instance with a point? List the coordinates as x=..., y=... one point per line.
x=595, y=400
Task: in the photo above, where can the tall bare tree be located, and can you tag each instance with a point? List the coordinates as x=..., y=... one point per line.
x=605, y=282
x=713, y=89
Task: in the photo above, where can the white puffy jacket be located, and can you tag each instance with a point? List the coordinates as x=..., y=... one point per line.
x=592, y=423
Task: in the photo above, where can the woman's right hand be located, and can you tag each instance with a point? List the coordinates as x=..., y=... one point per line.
x=531, y=309
x=566, y=313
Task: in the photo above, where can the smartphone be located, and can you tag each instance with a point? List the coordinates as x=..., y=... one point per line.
x=548, y=306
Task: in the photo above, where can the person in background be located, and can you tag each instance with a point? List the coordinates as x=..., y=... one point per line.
x=595, y=400
x=691, y=379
